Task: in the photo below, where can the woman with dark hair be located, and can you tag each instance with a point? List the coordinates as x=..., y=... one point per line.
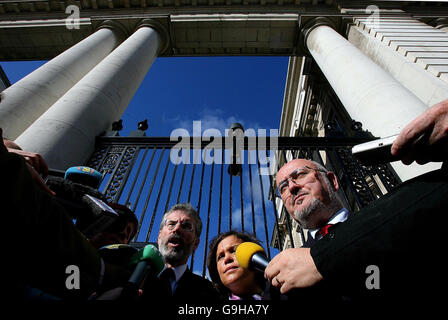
x=231, y=280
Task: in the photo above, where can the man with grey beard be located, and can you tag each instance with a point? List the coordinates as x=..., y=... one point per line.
x=377, y=256
x=179, y=236
x=308, y=192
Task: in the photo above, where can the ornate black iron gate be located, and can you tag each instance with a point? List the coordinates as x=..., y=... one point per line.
x=149, y=175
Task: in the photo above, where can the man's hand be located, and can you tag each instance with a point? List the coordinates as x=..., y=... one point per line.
x=33, y=159
x=425, y=138
x=292, y=268
x=35, y=163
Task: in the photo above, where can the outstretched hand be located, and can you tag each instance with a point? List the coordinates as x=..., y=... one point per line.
x=35, y=162
x=425, y=138
x=292, y=268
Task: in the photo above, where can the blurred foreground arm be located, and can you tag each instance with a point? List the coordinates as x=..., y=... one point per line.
x=33, y=159
x=35, y=162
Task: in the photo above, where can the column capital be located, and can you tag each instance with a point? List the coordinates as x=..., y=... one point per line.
x=161, y=31
x=115, y=26
x=309, y=26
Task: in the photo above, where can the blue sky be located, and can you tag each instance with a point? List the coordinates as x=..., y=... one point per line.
x=216, y=91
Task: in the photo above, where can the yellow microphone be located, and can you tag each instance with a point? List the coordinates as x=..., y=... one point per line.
x=251, y=256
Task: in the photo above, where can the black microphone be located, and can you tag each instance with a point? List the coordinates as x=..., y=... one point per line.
x=251, y=256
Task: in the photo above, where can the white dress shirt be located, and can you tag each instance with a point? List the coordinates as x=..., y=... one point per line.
x=339, y=216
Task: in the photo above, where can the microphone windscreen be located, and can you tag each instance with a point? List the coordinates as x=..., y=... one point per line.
x=84, y=175
x=245, y=251
x=152, y=254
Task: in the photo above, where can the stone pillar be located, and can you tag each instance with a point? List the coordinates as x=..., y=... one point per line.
x=65, y=134
x=25, y=101
x=398, y=46
x=369, y=94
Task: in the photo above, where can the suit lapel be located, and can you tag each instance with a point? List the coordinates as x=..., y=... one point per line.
x=310, y=241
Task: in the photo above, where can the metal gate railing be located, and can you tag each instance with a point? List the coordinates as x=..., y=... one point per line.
x=150, y=174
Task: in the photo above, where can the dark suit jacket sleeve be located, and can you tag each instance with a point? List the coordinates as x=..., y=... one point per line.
x=388, y=234
x=194, y=288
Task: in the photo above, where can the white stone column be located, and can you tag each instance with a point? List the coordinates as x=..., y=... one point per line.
x=397, y=45
x=65, y=134
x=25, y=101
x=369, y=94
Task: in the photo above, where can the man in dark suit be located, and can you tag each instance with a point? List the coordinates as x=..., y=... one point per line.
x=179, y=234
x=308, y=191
x=377, y=255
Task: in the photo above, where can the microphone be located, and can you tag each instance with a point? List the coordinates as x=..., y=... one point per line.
x=149, y=259
x=251, y=256
x=80, y=185
x=84, y=175
x=144, y=262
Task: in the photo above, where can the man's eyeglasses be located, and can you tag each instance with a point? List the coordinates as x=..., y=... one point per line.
x=297, y=176
x=185, y=225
